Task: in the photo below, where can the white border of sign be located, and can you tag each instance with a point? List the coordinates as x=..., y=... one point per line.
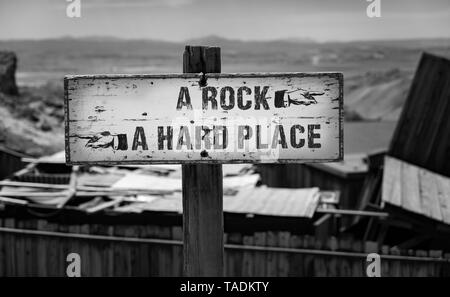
x=200, y=76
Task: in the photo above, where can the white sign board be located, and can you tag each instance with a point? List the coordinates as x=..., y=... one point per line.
x=196, y=118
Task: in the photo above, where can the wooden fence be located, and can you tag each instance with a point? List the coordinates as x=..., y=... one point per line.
x=40, y=248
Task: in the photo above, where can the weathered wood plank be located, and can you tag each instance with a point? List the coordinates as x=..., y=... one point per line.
x=296, y=260
x=202, y=192
x=248, y=268
x=391, y=189
x=283, y=258
x=416, y=189
x=410, y=188
x=428, y=192
x=443, y=192
x=260, y=257
x=10, y=249
x=177, y=252
x=271, y=263
x=422, y=136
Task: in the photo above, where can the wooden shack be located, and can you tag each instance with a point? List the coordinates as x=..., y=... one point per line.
x=136, y=231
x=412, y=181
x=347, y=176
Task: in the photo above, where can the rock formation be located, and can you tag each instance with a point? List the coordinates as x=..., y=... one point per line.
x=8, y=63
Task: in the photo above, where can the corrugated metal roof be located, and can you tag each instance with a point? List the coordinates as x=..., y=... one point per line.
x=259, y=201
x=146, y=181
x=158, y=188
x=274, y=201
x=416, y=189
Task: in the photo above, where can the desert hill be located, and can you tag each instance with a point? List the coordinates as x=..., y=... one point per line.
x=377, y=74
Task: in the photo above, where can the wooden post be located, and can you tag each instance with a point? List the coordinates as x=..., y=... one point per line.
x=202, y=191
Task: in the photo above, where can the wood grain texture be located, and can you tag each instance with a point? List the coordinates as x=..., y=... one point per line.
x=108, y=116
x=443, y=193
x=416, y=189
x=203, y=248
x=410, y=188
x=391, y=188
x=428, y=191
x=127, y=255
x=422, y=135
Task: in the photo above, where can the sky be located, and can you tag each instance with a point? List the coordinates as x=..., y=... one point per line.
x=178, y=20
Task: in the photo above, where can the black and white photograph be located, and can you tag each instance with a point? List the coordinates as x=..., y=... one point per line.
x=252, y=140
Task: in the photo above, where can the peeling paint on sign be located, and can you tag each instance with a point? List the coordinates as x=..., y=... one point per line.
x=196, y=118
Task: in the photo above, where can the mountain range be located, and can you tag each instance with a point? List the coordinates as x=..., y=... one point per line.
x=377, y=74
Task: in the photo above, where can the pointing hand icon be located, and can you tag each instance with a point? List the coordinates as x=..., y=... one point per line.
x=106, y=139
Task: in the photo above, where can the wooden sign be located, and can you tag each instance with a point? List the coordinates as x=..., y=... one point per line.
x=211, y=118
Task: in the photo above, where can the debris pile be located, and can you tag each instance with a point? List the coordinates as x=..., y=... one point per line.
x=49, y=183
